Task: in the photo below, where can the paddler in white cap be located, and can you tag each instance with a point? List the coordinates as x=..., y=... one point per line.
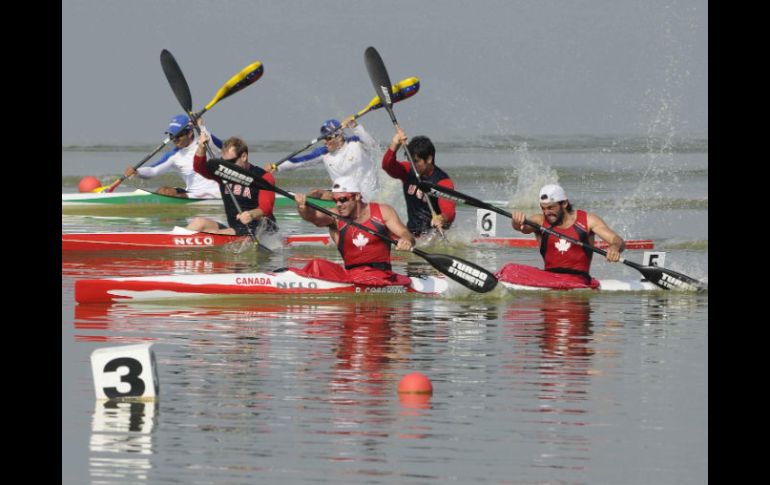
x=559, y=255
x=366, y=257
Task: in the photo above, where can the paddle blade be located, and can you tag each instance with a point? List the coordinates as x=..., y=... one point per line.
x=229, y=172
x=380, y=79
x=468, y=274
x=115, y=184
x=248, y=75
x=401, y=91
x=176, y=80
x=671, y=280
x=406, y=89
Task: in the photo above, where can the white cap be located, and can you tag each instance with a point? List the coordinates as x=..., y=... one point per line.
x=552, y=193
x=346, y=184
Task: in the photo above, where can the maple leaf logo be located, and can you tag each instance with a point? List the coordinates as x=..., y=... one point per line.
x=360, y=241
x=563, y=245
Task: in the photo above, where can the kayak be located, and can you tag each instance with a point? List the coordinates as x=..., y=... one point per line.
x=156, y=288
x=180, y=237
x=140, y=196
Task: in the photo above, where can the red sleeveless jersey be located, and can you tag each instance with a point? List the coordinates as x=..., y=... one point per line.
x=359, y=248
x=560, y=253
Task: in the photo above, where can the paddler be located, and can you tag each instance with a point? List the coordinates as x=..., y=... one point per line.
x=421, y=221
x=257, y=205
x=181, y=158
x=567, y=265
x=343, y=156
x=366, y=257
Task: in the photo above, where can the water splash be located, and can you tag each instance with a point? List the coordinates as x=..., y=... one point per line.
x=662, y=111
x=532, y=174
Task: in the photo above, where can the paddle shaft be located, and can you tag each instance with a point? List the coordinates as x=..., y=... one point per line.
x=139, y=164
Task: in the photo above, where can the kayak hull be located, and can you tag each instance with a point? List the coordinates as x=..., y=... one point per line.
x=179, y=238
x=156, y=288
x=140, y=196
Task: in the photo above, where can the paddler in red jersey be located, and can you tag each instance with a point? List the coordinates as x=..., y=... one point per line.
x=366, y=257
x=567, y=265
x=420, y=221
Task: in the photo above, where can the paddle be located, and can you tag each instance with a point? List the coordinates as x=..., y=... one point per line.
x=404, y=89
x=112, y=187
x=181, y=90
x=247, y=76
x=464, y=272
x=381, y=82
x=662, y=277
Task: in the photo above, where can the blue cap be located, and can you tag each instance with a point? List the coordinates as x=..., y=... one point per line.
x=177, y=124
x=329, y=127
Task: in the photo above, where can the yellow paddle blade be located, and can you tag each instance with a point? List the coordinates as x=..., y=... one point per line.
x=401, y=90
x=247, y=76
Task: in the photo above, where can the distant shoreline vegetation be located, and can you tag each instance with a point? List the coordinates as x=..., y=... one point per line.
x=570, y=143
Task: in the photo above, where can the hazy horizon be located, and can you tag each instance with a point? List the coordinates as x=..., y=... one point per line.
x=495, y=68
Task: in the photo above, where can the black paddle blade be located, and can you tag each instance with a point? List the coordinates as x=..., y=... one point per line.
x=672, y=280
x=229, y=172
x=380, y=79
x=468, y=274
x=176, y=80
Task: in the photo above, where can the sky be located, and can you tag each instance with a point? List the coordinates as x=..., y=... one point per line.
x=490, y=67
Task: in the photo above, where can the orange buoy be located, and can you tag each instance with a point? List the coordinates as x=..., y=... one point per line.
x=88, y=184
x=415, y=383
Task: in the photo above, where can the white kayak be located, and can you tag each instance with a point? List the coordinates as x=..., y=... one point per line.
x=154, y=288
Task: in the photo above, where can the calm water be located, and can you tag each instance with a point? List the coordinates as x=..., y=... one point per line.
x=528, y=388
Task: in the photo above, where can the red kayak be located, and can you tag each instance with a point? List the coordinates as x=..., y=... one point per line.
x=110, y=241
x=180, y=237
x=522, y=277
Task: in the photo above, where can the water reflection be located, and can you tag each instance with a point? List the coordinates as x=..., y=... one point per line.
x=121, y=441
x=552, y=367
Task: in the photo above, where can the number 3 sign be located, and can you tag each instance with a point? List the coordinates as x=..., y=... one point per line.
x=126, y=373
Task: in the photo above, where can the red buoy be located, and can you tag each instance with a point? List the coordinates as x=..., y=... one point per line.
x=415, y=383
x=89, y=184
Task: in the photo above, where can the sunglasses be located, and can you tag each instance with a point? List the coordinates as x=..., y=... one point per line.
x=343, y=199
x=332, y=137
x=181, y=134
